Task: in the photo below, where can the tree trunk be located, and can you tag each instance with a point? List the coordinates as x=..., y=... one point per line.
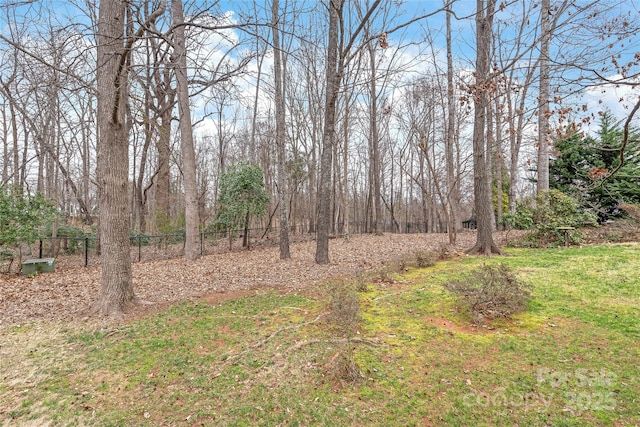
x=543, y=99
x=498, y=163
x=5, y=146
x=116, y=292
x=481, y=188
x=280, y=134
x=312, y=210
x=163, y=178
x=140, y=199
x=345, y=171
x=516, y=131
x=328, y=136
x=179, y=60
x=374, y=141
x=253, y=152
x=86, y=163
x=246, y=242
x=453, y=195
x=489, y=151
x=16, y=152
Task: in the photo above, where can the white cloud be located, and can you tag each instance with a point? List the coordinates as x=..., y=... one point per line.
x=618, y=99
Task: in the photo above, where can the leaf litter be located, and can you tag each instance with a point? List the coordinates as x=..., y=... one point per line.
x=69, y=292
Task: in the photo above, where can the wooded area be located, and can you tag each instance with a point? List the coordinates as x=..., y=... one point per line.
x=128, y=114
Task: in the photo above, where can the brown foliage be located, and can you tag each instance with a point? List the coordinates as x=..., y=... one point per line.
x=68, y=293
x=490, y=292
x=632, y=210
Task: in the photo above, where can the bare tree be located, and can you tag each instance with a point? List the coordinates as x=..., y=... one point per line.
x=349, y=98
x=164, y=95
x=280, y=133
x=329, y=133
x=516, y=85
x=543, y=98
x=339, y=54
x=152, y=113
x=114, y=46
x=453, y=187
x=374, y=140
x=179, y=61
x=116, y=292
x=485, y=10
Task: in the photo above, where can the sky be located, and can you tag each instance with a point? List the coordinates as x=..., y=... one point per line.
x=428, y=38
x=419, y=43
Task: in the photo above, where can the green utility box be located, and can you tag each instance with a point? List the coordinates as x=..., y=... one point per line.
x=38, y=265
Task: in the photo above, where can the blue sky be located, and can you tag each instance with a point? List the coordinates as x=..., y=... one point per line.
x=433, y=28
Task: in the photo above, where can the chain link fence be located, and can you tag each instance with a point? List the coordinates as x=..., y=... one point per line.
x=85, y=251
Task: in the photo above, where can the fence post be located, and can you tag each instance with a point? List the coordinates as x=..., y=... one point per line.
x=139, y=247
x=202, y=243
x=86, y=252
x=40, y=252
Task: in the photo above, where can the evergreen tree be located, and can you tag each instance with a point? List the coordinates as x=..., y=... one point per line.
x=242, y=196
x=583, y=162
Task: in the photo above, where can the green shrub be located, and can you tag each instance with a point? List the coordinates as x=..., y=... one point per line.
x=6, y=254
x=138, y=237
x=67, y=230
x=241, y=196
x=490, y=292
x=23, y=216
x=71, y=236
x=522, y=218
x=546, y=214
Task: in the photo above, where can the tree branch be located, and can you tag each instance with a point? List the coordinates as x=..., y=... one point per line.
x=625, y=141
x=264, y=341
x=117, y=83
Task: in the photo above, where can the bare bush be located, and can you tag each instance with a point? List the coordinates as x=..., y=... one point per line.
x=632, y=210
x=343, y=365
x=387, y=272
x=490, y=292
x=343, y=308
x=424, y=259
x=344, y=318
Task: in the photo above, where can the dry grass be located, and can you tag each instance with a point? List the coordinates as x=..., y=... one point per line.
x=29, y=356
x=632, y=210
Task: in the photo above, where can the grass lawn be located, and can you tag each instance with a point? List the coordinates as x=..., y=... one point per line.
x=275, y=359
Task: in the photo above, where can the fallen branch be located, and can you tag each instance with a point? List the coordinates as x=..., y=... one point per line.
x=301, y=344
x=230, y=359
